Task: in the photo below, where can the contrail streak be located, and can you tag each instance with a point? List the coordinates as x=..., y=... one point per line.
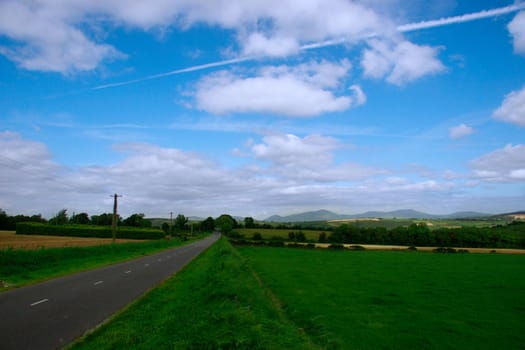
x=177, y=71
x=410, y=27
x=460, y=19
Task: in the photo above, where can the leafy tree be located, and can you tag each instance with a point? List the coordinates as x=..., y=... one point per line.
x=249, y=222
x=81, y=218
x=137, y=220
x=208, y=225
x=226, y=223
x=60, y=218
x=105, y=219
x=180, y=222
x=165, y=227
x=291, y=236
x=322, y=237
x=300, y=237
x=257, y=236
x=4, y=220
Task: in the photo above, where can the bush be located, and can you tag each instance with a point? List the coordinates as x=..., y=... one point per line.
x=357, y=247
x=446, y=250
x=34, y=228
x=275, y=244
x=336, y=246
x=257, y=236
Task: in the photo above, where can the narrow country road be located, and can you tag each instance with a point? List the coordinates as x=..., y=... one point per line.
x=49, y=315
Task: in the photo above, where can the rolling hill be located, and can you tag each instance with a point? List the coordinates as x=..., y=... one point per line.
x=325, y=215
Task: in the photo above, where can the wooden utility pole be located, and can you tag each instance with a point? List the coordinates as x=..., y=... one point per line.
x=171, y=223
x=114, y=221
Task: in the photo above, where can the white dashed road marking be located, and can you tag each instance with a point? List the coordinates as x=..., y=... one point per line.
x=97, y=283
x=39, y=302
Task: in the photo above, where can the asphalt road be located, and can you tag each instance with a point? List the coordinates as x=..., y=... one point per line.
x=50, y=315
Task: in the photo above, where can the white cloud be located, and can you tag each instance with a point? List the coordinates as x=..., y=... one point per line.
x=459, y=131
x=512, y=109
x=303, y=91
x=502, y=165
x=400, y=62
x=309, y=158
x=45, y=40
x=258, y=44
x=517, y=30
x=55, y=35
x=301, y=175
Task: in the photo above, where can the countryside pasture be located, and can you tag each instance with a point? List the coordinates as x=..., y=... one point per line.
x=279, y=298
x=398, y=300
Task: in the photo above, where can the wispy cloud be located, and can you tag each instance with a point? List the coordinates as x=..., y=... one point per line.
x=409, y=27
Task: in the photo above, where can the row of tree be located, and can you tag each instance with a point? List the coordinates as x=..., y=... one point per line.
x=61, y=218
x=506, y=236
x=224, y=223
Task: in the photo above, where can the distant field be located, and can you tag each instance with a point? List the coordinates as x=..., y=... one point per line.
x=9, y=239
x=398, y=300
x=268, y=233
x=431, y=223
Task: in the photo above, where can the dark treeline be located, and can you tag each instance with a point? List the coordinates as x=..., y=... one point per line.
x=8, y=222
x=507, y=236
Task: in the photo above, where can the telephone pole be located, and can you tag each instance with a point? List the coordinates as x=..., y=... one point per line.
x=171, y=222
x=114, y=221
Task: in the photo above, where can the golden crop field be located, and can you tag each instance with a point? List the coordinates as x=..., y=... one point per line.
x=9, y=239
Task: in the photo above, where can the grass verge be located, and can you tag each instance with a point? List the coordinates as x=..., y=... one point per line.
x=398, y=300
x=19, y=267
x=214, y=303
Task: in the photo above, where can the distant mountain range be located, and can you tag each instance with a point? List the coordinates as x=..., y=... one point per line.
x=324, y=215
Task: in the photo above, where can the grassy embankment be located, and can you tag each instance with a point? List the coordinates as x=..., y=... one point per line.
x=20, y=267
x=398, y=300
x=214, y=303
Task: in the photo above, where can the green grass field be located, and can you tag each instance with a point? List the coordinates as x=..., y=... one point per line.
x=398, y=300
x=214, y=303
x=278, y=298
x=19, y=267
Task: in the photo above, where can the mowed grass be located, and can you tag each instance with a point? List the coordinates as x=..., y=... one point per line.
x=398, y=300
x=19, y=267
x=214, y=303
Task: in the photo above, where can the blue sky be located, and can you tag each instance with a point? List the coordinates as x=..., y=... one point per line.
x=254, y=109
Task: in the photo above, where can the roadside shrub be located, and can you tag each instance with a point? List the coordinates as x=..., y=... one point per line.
x=446, y=250
x=257, y=236
x=336, y=246
x=238, y=241
x=295, y=245
x=275, y=244
x=235, y=234
x=310, y=246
